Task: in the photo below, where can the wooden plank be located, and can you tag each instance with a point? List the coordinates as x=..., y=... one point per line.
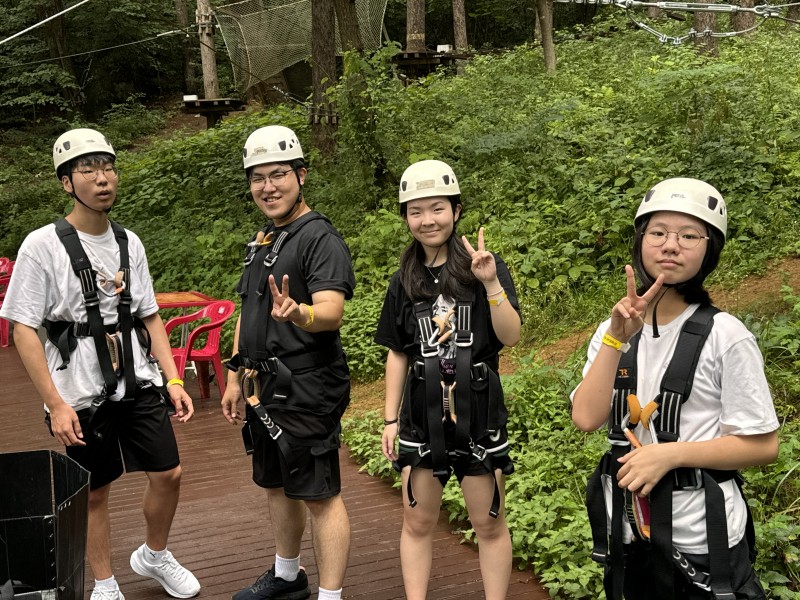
x=222, y=527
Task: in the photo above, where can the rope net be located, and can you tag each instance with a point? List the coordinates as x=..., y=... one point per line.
x=263, y=37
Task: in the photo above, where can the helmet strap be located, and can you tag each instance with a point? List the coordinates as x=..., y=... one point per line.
x=656, y=334
x=74, y=195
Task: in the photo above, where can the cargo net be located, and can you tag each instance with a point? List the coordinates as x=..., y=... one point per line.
x=762, y=12
x=263, y=37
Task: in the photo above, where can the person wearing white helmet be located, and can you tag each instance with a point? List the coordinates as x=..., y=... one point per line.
x=291, y=368
x=86, y=278
x=448, y=311
x=689, y=406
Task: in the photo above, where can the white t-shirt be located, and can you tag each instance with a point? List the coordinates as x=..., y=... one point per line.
x=44, y=286
x=730, y=396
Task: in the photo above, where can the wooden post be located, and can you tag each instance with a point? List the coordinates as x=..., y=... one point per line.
x=415, y=26
x=205, y=30
x=189, y=84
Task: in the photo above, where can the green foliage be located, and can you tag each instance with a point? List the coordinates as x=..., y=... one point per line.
x=365, y=359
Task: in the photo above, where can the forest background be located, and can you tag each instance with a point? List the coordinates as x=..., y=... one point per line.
x=552, y=164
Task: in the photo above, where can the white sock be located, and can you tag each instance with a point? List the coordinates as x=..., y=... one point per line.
x=153, y=557
x=330, y=594
x=287, y=568
x=106, y=584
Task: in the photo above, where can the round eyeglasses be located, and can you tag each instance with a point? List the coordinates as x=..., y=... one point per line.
x=275, y=178
x=687, y=237
x=91, y=174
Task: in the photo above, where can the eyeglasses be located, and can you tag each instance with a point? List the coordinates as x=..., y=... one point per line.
x=91, y=174
x=687, y=237
x=275, y=178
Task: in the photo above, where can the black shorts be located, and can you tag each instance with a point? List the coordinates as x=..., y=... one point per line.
x=317, y=476
x=129, y=435
x=639, y=577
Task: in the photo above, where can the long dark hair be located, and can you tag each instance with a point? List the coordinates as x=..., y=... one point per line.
x=456, y=276
x=691, y=290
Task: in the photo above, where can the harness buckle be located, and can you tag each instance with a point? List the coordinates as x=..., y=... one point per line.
x=423, y=450
x=478, y=452
x=270, y=259
x=479, y=371
x=429, y=351
x=461, y=342
x=419, y=370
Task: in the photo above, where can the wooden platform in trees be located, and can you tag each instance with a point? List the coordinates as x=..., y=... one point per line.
x=222, y=529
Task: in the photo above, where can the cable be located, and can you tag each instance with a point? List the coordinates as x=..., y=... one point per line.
x=32, y=27
x=44, y=60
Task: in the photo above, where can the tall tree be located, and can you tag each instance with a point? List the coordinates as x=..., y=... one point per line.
x=208, y=55
x=323, y=74
x=415, y=26
x=544, y=11
x=459, y=26
x=741, y=21
x=347, y=19
x=189, y=83
x=705, y=21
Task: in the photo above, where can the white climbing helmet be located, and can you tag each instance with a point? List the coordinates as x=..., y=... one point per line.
x=79, y=142
x=428, y=179
x=271, y=144
x=689, y=196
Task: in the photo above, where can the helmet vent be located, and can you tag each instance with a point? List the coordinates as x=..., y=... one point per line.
x=649, y=195
x=712, y=203
x=282, y=145
x=67, y=145
x=404, y=185
x=446, y=179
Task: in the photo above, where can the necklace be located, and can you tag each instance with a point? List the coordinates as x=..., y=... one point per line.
x=435, y=275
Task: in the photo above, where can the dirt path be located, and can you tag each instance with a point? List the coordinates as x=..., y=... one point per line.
x=756, y=292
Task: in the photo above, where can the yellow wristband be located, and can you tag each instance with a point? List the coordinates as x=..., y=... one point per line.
x=610, y=340
x=308, y=323
x=494, y=302
x=175, y=381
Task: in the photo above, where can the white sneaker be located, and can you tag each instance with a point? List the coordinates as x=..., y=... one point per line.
x=105, y=594
x=176, y=580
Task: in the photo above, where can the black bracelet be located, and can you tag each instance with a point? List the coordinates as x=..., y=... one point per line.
x=389, y=422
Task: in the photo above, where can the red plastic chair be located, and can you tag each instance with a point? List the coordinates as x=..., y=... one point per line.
x=5, y=326
x=218, y=312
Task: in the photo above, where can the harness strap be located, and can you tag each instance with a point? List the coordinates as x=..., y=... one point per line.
x=124, y=310
x=463, y=340
x=82, y=267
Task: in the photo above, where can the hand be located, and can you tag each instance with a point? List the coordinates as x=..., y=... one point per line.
x=387, y=441
x=627, y=316
x=283, y=307
x=644, y=467
x=483, y=265
x=65, y=425
x=230, y=403
x=184, y=409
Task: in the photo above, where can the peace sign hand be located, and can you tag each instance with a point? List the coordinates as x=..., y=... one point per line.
x=627, y=316
x=283, y=307
x=483, y=265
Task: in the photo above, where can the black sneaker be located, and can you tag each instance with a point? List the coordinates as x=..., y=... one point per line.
x=269, y=587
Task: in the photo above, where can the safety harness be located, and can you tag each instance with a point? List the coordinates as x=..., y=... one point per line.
x=450, y=404
x=64, y=334
x=258, y=360
x=675, y=389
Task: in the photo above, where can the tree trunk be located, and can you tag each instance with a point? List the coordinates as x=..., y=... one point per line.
x=207, y=51
x=347, y=19
x=794, y=12
x=55, y=35
x=415, y=26
x=460, y=26
x=705, y=21
x=323, y=67
x=544, y=11
x=182, y=13
x=743, y=20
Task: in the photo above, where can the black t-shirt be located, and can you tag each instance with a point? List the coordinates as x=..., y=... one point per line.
x=316, y=258
x=398, y=329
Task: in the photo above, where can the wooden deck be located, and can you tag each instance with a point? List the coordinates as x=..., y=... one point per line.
x=222, y=529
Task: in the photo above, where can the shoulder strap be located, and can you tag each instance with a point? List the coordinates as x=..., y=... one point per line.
x=124, y=309
x=676, y=385
x=83, y=269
